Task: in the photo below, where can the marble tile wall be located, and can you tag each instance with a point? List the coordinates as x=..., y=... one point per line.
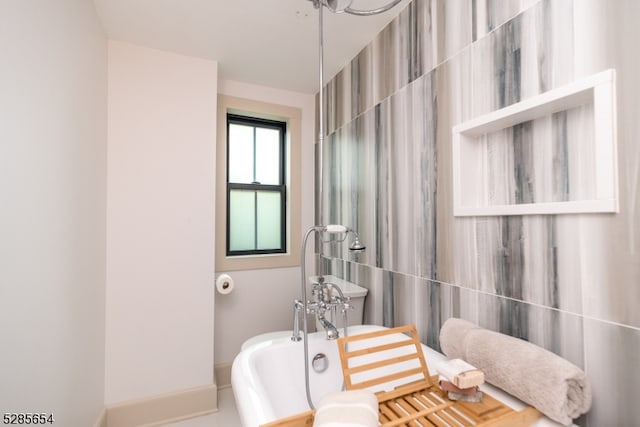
x=569, y=283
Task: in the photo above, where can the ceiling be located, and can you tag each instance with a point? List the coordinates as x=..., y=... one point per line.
x=271, y=43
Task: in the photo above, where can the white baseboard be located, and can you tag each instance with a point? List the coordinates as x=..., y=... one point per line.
x=223, y=375
x=162, y=409
x=102, y=419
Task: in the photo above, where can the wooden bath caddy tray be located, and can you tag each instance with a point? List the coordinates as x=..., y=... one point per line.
x=416, y=399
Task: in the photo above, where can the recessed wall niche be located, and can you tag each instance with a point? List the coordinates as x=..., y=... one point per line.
x=554, y=153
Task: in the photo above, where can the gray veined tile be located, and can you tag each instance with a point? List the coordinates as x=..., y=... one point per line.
x=611, y=358
x=555, y=280
x=454, y=26
x=362, y=81
x=487, y=15
x=556, y=331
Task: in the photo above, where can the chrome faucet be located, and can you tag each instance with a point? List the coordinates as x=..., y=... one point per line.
x=325, y=300
x=332, y=331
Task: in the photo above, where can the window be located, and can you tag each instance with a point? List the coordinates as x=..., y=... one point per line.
x=291, y=165
x=256, y=190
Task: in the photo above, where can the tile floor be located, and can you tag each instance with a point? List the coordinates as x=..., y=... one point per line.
x=227, y=416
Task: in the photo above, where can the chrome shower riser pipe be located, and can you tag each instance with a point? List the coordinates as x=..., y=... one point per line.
x=320, y=119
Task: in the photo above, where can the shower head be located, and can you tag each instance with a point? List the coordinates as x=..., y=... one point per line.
x=338, y=6
x=356, y=246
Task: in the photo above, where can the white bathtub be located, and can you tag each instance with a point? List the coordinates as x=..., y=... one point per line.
x=268, y=376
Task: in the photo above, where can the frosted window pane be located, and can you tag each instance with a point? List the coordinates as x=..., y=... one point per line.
x=242, y=220
x=268, y=156
x=268, y=220
x=240, y=154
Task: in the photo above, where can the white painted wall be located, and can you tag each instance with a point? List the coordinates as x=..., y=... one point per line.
x=160, y=222
x=53, y=58
x=262, y=300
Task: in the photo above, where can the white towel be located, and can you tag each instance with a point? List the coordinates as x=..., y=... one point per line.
x=551, y=384
x=355, y=408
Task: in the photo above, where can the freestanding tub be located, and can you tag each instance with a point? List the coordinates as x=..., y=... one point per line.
x=268, y=376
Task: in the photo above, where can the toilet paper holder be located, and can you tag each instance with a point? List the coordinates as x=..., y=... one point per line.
x=224, y=284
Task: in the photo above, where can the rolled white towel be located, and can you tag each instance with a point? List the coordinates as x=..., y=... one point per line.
x=542, y=379
x=354, y=408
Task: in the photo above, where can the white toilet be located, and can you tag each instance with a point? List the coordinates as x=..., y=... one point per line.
x=356, y=294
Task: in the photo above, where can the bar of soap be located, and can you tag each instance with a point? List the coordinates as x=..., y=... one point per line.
x=468, y=379
x=460, y=373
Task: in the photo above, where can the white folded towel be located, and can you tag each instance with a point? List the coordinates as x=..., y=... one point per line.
x=542, y=379
x=354, y=408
